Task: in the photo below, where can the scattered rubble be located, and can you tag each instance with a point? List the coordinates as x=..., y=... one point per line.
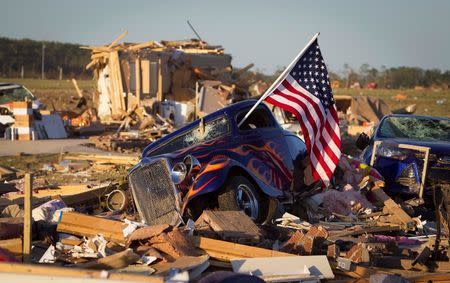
x=361, y=234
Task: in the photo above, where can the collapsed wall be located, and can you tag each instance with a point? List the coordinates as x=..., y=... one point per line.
x=158, y=75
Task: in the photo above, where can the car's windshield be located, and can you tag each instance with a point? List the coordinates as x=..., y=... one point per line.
x=213, y=129
x=418, y=128
x=14, y=93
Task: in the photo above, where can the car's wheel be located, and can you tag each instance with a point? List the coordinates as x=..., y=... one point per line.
x=240, y=194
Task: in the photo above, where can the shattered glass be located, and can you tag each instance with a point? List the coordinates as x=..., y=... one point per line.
x=417, y=128
x=212, y=129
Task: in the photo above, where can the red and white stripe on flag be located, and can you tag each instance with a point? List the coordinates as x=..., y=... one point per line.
x=320, y=126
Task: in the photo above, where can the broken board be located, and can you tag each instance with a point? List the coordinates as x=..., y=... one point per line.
x=294, y=268
x=229, y=225
x=90, y=226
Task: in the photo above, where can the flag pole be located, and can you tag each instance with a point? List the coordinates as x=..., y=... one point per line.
x=277, y=81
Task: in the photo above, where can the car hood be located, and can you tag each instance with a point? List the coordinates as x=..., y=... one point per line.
x=440, y=148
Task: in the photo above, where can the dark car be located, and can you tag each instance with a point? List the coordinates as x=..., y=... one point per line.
x=400, y=156
x=213, y=163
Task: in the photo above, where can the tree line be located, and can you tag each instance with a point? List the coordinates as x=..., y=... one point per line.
x=395, y=77
x=23, y=57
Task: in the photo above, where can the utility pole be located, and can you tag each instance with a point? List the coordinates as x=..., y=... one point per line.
x=43, y=62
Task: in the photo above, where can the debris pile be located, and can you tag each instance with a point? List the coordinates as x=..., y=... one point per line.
x=27, y=124
x=353, y=230
x=180, y=80
x=361, y=113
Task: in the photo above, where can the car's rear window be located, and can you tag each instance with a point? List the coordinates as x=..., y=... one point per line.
x=417, y=128
x=213, y=129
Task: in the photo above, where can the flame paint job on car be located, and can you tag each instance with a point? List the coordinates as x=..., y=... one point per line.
x=261, y=154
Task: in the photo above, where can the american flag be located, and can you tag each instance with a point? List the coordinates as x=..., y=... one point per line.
x=305, y=91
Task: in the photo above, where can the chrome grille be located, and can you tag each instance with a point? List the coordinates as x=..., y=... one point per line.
x=154, y=193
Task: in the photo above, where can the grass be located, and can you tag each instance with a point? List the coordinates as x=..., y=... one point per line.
x=60, y=92
x=427, y=100
x=57, y=95
x=46, y=85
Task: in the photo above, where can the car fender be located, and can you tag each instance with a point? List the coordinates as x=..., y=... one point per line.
x=215, y=174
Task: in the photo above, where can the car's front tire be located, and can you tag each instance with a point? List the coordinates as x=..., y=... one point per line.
x=240, y=194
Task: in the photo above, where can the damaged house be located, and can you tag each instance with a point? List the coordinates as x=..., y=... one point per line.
x=166, y=78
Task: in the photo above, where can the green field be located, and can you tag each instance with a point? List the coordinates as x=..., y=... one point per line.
x=40, y=85
x=427, y=100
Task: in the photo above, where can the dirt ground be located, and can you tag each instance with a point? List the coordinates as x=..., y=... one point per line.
x=8, y=147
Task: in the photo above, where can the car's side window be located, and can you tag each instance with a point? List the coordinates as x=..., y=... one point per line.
x=213, y=129
x=260, y=118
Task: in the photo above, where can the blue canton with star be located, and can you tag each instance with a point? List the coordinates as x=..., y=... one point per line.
x=311, y=73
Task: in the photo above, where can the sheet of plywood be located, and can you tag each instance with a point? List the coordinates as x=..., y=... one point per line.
x=70, y=194
x=14, y=246
x=90, y=226
x=285, y=268
x=44, y=273
x=229, y=224
x=225, y=251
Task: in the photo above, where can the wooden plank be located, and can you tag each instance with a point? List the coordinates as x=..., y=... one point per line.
x=137, y=73
x=28, y=220
x=109, y=158
x=75, y=84
x=90, y=226
x=118, y=260
x=119, y=38
x=53, y=271
x=115, y=107
x=71, y=242
x=142, y=45
x=225, y=251
x=145, y=76
x=377, y=229
x=159, y=94
x=116, y=93
x=70, y=194
x=14, y=246
x=435, y=278
x=393, y=208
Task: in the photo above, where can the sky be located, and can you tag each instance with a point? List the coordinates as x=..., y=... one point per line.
x=266, y=33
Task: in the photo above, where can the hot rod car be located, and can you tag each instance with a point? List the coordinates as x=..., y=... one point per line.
x=213, y=163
